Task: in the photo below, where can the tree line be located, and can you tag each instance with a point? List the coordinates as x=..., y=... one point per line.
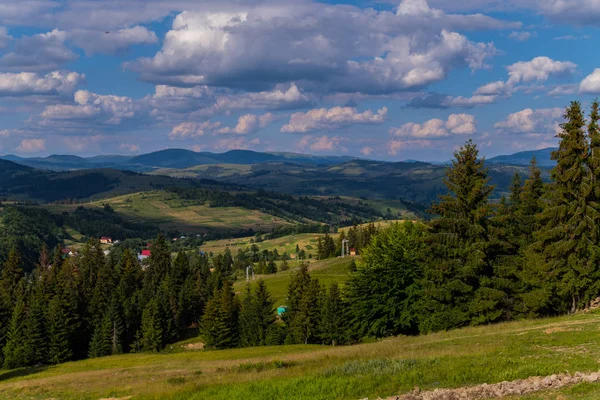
x=534, y=253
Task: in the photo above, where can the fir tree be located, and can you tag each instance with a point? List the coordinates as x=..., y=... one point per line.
x=152, y=327
x=10, y=280
x=16, y=348
x=457, y=286
x=264, y=311
x=569, y=234
x=248, y=320
x=333, y=319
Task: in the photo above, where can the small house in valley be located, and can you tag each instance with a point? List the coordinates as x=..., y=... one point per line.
x=105, y=240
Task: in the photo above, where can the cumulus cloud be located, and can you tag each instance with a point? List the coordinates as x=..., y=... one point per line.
x=41, y=52
x=277, y=99
x=326, y=47
x=528, y=121
x=32, y=145
x=236, y=144
x=248, y=123
x=366, y=151
x=539, y=69
x=89, y=111
x=129, y=147
x=4, y=133
x=193, y=129
x=30, y=83
x=325, y=143
x=332, y=119
x=111, y=42
x=591, y=83
x=522, y=36
x=456, y=124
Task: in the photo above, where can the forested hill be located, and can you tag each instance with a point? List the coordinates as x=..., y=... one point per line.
x=18, y=182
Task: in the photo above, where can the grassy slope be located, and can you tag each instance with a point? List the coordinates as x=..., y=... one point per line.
x=285, y=244
x=326, y=271
x=170, y=212
x=459, y=358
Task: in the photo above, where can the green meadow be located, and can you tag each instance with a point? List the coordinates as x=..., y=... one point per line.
x=458, y=358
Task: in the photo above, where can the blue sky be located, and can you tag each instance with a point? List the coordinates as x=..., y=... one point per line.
x=384, y=79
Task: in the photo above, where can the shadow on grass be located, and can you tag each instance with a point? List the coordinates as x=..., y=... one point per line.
x=21, y=372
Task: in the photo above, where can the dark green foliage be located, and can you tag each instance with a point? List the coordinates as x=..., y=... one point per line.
x=257, y=316
x=304, y=308
x=16, y=348
x=457, y=284
x=153, y=327
x=220, y=322
x=334, y=323
x=383, y=293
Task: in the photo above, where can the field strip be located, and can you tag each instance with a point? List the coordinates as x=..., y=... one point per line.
x=519, y=387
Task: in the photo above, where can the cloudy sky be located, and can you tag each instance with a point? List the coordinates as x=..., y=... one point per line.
x=381, y=79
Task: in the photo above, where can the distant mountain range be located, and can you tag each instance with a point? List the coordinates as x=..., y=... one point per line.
x=524, y=158
x=181, y=159
x=170, y=158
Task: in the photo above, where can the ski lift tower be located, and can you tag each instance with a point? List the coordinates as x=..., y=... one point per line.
x=249, y=269
x=345, y=247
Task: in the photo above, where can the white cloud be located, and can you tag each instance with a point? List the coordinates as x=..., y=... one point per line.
x=366, y=151
x=89, y=111
x=111, y=42
x=541, y=121
x=325, y=47
x=32, y=145
x=193, y=129
x=248, y=123
x=591, y=83
x=539, y=69
x=129, y=147
x=276, y=99
x=521, y=36
x=325, y=143
x=563, y=90
x=332, y=119
x=30, y=83
x=41, y=52
x=456, y=124
x=4, y=133
x=236, y=143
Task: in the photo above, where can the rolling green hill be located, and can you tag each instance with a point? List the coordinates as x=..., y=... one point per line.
x=460, y=358
x=415, y=183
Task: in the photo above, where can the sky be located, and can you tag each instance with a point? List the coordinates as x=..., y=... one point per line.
x=382, y=79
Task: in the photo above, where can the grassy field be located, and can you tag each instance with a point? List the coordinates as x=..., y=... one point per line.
x=326, y=271
x=453, y=359
x=285, y=244
x=170, y=212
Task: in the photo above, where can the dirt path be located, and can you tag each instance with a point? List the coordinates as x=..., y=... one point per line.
x=498, y=390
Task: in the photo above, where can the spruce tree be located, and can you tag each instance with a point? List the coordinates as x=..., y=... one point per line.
x=10, y=280
x=264, y=311
x=63, y=318
x=248, y=320
x=16, y=348
x=333, y=319
x=152, y=329
x=568, y=238
x=457, y=286
x=214, y=327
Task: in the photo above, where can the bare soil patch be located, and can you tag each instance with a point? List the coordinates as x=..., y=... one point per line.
x=519, y=387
